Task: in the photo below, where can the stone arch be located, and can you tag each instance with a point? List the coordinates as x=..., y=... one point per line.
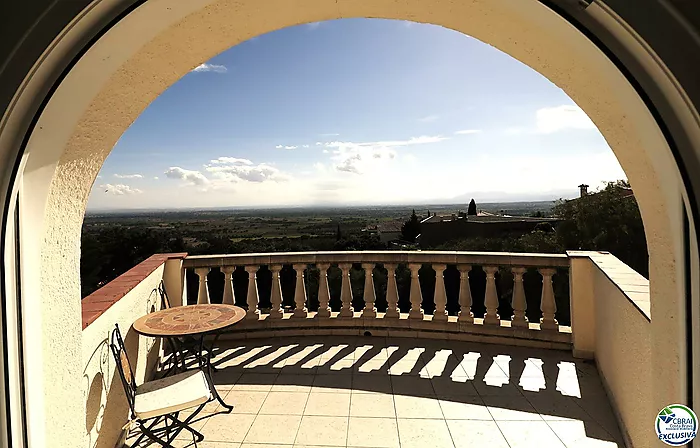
x=160, y=41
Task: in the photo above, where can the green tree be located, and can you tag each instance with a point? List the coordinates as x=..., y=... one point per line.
x=411, y=228
x=472, y=208
x=607, y=220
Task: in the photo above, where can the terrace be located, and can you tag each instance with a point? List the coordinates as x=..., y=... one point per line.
x=384, y=349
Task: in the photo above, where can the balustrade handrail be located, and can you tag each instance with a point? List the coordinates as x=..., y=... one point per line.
x=399, y=257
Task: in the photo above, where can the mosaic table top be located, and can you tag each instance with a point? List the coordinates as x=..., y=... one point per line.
x=188, y=320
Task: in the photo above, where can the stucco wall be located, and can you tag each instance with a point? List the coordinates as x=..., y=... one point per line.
x=106, y=408
x=623, y=352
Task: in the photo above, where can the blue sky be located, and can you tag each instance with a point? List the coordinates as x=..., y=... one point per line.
x=355, y=111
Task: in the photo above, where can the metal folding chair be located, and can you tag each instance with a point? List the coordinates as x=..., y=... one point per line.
x=161, y=400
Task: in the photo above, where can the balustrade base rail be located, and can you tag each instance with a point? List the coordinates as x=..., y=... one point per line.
x=502, y=333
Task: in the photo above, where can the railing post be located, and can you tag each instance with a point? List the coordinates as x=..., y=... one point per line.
x=324, y=296
x=369, y=294
x=299, y=292
x=252, y=298
x=519, y=303
x=465, y=294
x=440, y=294
x=392, y=292
x=491, y=300
x=416, y=297
x=548, y=305
x=203, y=294
x=276, y=293
x=346, y=291
x=228, y=284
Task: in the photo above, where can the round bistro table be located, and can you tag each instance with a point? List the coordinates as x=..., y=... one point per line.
x=177, y=324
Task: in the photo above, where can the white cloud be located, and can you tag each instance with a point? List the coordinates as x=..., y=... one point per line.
x=288, y=146
x=231, y=161
x=553, y=119
x=245, y=171
x=155, y=178
x=468, y=131
x=191, y=176
x=128, y=176
x=313, y=25
x=304, y=146
x=210, y=68
x=429, y=118
x=357, y=158
x=119, y=189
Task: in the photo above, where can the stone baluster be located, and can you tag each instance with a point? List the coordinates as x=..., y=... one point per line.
x=228, y=284
x=416, y=297
x=203, y=295
x=276, y=293
x=252, y=297
x=392, y=292
x=519, y=303
x=547, y=304
x=491, y=300
x=465, y=294
x=324, y=295
x=346, y=291
x=299, y=292
x=440, y=294
x=369, y=294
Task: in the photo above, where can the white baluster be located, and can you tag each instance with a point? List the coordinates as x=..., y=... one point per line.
x=324, y=296
x=228, y=284
x=346, y=291
x=300, y=292
x=440, y=294
x=416, y=296
x=519, y=303
x=369, y=294
x=548, y=305
x=276, y=293
x=392, y=292
x=252, y=298
x=465, y=294
x=491, y=300
x=203, y=295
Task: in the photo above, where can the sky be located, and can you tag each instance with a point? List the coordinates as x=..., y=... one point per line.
x=355, y=112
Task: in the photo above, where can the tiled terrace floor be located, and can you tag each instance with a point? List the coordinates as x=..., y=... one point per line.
x=408, y=393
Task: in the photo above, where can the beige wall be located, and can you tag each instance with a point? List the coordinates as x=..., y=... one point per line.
x=106, y=408
x=163, y=40
x=610, y=309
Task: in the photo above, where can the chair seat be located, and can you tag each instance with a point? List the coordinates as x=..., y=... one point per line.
x=171, y=394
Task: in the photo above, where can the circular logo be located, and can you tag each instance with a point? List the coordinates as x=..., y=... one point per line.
x=676, y=425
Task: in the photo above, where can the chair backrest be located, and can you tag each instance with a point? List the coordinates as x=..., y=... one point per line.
x=123, y=366
x=165, y=301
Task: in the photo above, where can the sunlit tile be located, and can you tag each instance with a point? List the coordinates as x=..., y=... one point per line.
x=324, y=357
x=296, y=357
x=270, y=357
x=532, y=378
x=436, y=365
x=242, y=358
x=348, y=360
x=467, y=367
x=407, y=362
x=567, y=380
x=496, y=375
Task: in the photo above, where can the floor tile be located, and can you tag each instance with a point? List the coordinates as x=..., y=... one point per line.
x=293, y=383
x=256, y=381
x=556, y=407
x=476, y=433
x=505, y=390
x=511, y=408
x=246, y=402
x=371, y=384
x=464, y=408
x=337, y=405
x=412, y=385
x=583, y=434
x=318, y=430
x=280, y=429
x=424, y=433
x=529, y=434
x=284, y=403
x=227, y=427
x=373, y=432
x=372, y=405
x=417, y=407
x=338, y=384
x=450, y=387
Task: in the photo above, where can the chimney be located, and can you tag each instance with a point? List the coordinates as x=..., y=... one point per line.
x=583, y=189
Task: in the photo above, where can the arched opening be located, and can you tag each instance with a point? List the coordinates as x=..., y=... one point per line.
x=156, y=44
